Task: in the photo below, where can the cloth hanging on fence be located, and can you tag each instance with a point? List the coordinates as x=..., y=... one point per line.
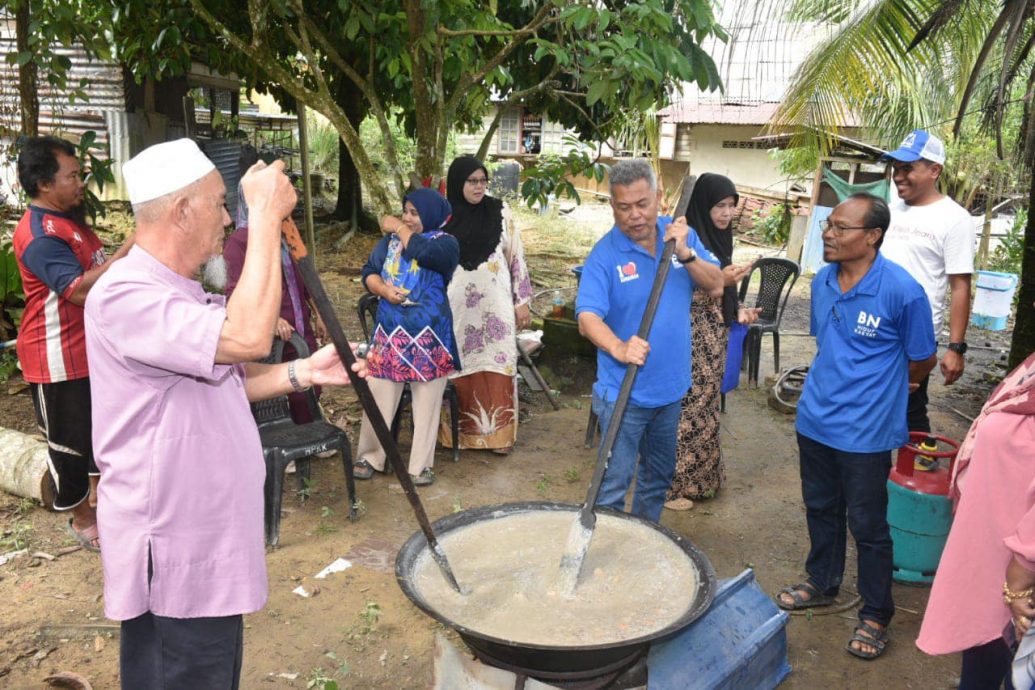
x=844, y=190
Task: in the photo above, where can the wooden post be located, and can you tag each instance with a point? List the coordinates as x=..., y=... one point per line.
x=307, y=191
x=986, y=230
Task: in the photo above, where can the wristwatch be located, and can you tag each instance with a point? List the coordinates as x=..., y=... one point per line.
x=690, y=259
x=959, y=348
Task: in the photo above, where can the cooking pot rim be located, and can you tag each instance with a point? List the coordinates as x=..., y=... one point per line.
x=407, y=557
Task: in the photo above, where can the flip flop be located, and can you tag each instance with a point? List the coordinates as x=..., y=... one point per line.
x=85, y=538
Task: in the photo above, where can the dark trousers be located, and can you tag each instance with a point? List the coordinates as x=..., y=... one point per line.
x=916, y=408
x=160, y=653
x=986, y=667
x=850, y=489
x=63, y=414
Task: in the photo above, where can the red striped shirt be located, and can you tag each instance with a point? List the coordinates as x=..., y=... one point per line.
x=53, y=251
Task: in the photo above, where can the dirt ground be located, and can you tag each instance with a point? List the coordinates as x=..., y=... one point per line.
x=359, y=630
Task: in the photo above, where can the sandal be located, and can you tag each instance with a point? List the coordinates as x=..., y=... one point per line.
x=363, y=470
x=870, y=636
x=798, y=602
x=679, y=504
x=85, y=538
x=425, y=478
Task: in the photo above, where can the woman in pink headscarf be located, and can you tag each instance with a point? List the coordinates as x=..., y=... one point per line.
x=986, y=576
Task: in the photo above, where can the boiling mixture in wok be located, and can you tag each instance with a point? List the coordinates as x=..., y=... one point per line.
x=634, y=580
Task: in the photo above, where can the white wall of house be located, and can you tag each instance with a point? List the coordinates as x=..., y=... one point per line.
x=729, y=150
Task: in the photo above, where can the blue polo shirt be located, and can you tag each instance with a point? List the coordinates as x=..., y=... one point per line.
x=616, y=282
x=855, y=394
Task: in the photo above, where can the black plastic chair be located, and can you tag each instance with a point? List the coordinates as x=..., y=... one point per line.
x=283, y=441
x=366, y=308
x=777, y=280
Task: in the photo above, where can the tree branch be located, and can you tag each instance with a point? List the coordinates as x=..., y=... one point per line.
x=292, y=84
x=440, y=102
x=366, y=88
x=520, y=36
x=442, y=31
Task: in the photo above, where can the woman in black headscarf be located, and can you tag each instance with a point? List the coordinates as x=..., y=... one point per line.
x=489, y=295
x=699, y=470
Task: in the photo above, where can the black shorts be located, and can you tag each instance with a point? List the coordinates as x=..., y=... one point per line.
x=63, y=415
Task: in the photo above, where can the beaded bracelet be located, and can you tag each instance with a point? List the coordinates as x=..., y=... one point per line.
x=1011, y=596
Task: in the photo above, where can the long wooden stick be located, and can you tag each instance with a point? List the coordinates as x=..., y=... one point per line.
x=582, y=530
x=323, y=306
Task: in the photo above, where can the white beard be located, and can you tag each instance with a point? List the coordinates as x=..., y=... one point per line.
x=213, y=273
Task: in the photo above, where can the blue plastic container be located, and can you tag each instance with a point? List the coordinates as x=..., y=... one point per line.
x=740, y=643
x=993, y=300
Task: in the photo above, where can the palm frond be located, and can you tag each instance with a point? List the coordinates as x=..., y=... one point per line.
x=938, y=20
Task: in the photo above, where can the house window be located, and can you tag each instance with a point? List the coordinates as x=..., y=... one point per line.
x=510, y=131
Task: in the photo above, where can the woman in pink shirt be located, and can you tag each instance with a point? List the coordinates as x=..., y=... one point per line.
x=986, y=575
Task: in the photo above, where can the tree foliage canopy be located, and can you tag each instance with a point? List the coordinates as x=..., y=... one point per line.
x=438, y=65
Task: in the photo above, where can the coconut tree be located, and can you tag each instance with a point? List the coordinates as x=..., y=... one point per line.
x=954, y=66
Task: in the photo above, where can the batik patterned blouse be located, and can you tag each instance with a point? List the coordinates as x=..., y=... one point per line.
x=414, y=342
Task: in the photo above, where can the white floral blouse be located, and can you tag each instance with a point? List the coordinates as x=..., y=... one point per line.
x=483, y=302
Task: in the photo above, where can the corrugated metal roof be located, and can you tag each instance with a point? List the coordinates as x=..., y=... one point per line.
x=59, y=112
x=225, y=154
x=717, y=112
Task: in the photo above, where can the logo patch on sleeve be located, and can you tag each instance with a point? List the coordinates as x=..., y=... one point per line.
x=627, y=272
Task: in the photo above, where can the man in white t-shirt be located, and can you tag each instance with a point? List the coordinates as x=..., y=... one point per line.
x=932, y=237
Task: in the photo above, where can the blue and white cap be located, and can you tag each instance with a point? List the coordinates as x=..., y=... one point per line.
x=919, y=144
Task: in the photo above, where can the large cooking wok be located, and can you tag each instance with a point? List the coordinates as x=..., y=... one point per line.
x=552, y=661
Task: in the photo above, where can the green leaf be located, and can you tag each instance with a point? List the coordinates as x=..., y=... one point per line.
x=596, y=91
x=22, y=58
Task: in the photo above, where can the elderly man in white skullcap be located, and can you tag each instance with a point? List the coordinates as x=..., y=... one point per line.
x=180, y=501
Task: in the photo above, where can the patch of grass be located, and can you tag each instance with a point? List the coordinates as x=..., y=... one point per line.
x=319, y=680
x=25, y=506
x=543, y=485
x=307, y=489
x=571, y=475
x=325, y=527
x=16, y=538
x=368, y=620
x=458, y=505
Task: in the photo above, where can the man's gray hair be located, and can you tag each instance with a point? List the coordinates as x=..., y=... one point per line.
x=629, y=171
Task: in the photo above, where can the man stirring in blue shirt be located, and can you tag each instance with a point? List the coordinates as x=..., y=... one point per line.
x=616, y=282
x=875, y=343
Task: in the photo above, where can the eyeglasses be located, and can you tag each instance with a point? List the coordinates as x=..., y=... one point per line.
x=838, y=230
x=477, y=181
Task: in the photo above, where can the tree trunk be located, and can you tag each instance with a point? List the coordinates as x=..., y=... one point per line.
x=483, y=150
x=350, y=194
x=28, y=94
x=350, y=186
x=1023, y=342
x=23, y=467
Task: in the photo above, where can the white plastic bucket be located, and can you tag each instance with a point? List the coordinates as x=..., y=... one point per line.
x=993, y=300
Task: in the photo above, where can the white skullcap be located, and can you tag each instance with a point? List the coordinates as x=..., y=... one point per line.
x=164, y=168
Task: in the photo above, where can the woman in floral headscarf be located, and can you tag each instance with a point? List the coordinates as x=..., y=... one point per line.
x=489, y=294
x=413, y=332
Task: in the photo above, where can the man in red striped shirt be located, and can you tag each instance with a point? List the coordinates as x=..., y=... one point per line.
x=59, y=258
